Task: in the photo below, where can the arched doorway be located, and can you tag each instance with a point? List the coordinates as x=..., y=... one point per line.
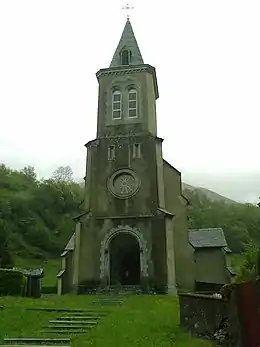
x=124, y=259
x=144, y=253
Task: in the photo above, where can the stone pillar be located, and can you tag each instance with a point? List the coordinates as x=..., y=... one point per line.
x=171, y=277
x=77, y=250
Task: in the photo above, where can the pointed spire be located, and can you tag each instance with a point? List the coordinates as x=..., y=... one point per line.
x=127, y=52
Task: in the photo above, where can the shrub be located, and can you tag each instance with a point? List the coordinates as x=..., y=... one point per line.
x=250, y=268
x=12, y=282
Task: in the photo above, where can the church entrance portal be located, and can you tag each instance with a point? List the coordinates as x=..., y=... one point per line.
x=124, y=251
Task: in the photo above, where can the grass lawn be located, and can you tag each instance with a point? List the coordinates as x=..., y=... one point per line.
x=51, y=268
x=142, y=320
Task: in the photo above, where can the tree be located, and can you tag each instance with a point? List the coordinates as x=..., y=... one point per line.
x=5, y=253
x=63, y=174
x=249, y=269
x=240, y=222
x=36, y=214
x=29, y=172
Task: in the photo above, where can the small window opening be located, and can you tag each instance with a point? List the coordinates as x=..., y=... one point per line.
x=132, y=103
x=136, y=150
x=116, y=104
x=111, y=152
x=125, y=57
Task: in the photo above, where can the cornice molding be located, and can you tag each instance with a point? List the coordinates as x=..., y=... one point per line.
x=125, y=70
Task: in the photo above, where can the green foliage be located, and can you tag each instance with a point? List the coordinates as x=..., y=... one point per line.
x=36, y=215
x=12, y=282
x=250, y=266
x=63, y=174
x=240, y=222
x=6, y=260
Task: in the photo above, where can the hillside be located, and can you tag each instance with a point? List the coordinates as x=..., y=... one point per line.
x=208, y=193
x=36, y=216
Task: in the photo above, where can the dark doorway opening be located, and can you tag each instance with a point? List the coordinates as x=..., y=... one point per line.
x=124, y=253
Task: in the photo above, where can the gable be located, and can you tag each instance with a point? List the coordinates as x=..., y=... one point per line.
x=71, y=244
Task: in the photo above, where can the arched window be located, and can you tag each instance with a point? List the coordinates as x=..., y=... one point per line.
x=116, y=104
x=125, y=57
x=132, y=103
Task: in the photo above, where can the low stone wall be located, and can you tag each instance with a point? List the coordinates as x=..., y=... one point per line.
x=233, y=321
x=203, y=315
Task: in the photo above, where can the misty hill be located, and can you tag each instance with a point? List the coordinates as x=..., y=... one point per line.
x=213, y=196
x=208, y=193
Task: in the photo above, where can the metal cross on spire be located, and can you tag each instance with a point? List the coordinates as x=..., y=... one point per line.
x=127, y=9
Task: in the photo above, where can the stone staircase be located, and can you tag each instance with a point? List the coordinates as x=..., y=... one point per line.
x=69, y=321
x=121, y=290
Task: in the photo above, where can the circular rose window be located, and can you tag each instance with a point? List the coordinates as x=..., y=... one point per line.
x=124, y=183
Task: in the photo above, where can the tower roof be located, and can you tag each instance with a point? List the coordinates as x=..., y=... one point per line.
x=127, y=42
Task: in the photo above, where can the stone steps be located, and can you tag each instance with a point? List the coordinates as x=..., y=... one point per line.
x=62, y=332
x=78, y=317
x=30, y=345
x=68, y=327
x=92, y=315
x=34, y=340
x=84, y=322
x=48, y=309
x=106, y=302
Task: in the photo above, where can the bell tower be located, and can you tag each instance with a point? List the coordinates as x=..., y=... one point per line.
x=127, y=91
x=124, y=166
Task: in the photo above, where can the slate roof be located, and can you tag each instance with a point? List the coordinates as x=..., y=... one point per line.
x=212, y=237
x=36, y=272
x=129, y=42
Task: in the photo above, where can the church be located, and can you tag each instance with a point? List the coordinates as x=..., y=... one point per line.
x=134, y=229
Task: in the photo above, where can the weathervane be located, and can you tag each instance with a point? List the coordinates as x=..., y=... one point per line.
x=127, y=8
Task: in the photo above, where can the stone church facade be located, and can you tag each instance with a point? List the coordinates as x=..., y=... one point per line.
x=134, y=229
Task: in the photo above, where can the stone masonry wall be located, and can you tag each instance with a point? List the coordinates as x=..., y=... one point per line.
x=201, y=314
x=212, y=318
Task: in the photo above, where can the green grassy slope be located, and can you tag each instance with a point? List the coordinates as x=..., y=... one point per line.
x=142, y=320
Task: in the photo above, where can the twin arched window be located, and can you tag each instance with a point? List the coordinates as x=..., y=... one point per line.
x=132, y=103
x=117, y=102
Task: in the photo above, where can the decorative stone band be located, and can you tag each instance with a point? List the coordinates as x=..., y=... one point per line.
x=125, y=70
x=121, y=72
x=129, y=137
x=104, y=250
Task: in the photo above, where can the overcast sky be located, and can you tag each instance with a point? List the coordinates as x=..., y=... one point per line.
x=207, y=57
